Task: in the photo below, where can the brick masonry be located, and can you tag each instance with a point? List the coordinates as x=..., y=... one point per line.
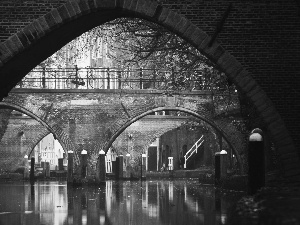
x=258, y=42
x=93, y=119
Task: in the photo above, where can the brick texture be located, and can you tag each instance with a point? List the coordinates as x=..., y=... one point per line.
x=261, y=36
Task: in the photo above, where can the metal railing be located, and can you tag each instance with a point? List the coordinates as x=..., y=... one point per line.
x=193, y=150
x=110, y=78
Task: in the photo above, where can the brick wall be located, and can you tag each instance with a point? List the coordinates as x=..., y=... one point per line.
x=263, y=36
x=21, y=136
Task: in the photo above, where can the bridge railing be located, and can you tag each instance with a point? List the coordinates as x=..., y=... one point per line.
x=111, y=78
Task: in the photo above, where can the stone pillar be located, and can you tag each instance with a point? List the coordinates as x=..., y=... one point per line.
x=32, y=163
x=47, y=169
x=143, y=167
x=26, y=168
x=127, y=164
x=256, y=162
x=70, y=167
x=220, y=166
x=119, y=167
x=100, y=173
x=83, y=163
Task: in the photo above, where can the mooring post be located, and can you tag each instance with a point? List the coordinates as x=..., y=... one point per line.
x=256, y=162
x=127, y=172
x=47, y=169
x=220, y=166
x=83, y=163
x=101, y=171
x=70, y=167
x=119, y=167
x=143, y=167
x=32, y=162
x=26, y=169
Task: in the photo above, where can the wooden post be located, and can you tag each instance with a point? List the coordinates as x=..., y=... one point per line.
x=32, y=162
x=127, y=172
x=143, y=167
x=47, y=169
x=26, y=169
x=256, y=162
x=100, y=173
x=220, y=166
x=60, y=164
x=119, y=167
x=83, y=163
x=70, y=167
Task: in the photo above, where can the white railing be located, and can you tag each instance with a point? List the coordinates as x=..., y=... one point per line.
x=193, y=150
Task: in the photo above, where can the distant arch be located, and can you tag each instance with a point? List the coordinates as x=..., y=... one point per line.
x=136, y=118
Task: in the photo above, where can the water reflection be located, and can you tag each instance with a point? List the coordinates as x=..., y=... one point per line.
x=147, y=202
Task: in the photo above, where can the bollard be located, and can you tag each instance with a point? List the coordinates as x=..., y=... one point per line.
x=32, y=162
x=60, y=164
x=127, y=172
x=100, y=173
x=43, y=167
x=119, y=167
x=220, y=166
x=83, y=163
x=47, y=169
x=70, y=167
x=256, y=162
x=26, y=169
x=143, y=167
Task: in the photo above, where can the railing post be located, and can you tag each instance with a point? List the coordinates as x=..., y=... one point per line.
x=256, y=162
x=141, y=78
x=44, y=77
x=154, y=78
x=108, y=79
x=119, y=79
x=173, y=76
x=87, y=77
x=76, y=76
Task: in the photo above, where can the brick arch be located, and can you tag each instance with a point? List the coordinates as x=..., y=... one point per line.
x=25, y=49
x=216, y=127
x=55, y=130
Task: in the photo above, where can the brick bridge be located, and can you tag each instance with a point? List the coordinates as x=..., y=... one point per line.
x=93, y=119
x=256, y=45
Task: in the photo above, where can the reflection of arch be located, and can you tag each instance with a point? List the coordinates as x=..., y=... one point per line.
x=40, y=39
x=57, y=135
x=128, y=123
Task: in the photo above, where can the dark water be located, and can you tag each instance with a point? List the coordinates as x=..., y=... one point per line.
x=127, y=202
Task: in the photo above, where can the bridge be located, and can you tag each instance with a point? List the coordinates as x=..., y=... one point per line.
x=92, y=119
x=263, y=66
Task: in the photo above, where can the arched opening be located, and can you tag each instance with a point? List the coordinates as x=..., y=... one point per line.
x=167, y=150
x=30, y=133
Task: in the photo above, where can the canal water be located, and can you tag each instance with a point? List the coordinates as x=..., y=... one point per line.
x=116, y=202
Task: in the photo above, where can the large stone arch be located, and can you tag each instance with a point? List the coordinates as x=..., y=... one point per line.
x=58, y=133
x=195, y=114
x=25, y=49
